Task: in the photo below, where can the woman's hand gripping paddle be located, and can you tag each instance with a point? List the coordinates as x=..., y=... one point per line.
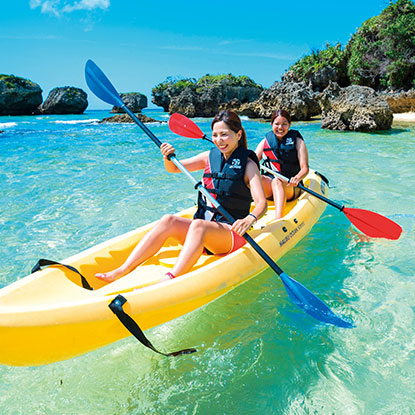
x=370, y=223
x=301, y=296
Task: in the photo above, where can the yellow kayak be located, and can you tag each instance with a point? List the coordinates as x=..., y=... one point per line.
x=48, y=316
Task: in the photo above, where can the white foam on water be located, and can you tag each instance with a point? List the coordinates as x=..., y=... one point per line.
x=90, y=121
x=8, y=124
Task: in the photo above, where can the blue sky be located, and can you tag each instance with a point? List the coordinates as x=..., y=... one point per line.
x=138, y=44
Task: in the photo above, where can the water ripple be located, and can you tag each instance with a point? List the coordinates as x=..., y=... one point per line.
x=67, y=183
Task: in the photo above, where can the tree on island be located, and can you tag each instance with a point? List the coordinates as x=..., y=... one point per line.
x=381, y=54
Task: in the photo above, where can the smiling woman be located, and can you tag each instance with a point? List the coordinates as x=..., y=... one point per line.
x=283, y=150
x=232, y=177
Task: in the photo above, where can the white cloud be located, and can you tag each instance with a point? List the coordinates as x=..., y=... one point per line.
x=46, y=6
x=87, y=5
x=59, y=7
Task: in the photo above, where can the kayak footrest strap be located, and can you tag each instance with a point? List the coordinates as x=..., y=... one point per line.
x=46, y=262
x=116, y=307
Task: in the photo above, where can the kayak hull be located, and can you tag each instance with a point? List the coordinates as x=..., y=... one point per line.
x=48, y=316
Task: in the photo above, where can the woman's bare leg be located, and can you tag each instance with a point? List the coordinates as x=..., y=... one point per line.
x=267, y=185
x=215, y=236
x=281, y=193
x=168, y=226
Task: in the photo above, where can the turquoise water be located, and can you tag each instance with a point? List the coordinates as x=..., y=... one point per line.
x=68, y=183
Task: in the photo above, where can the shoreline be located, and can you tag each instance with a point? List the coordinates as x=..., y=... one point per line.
x=404, y=117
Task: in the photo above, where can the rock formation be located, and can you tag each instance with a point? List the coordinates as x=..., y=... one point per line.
x=318, y=79
x=133, y=100
x=295, y=97
x=65, y=100
x=204, y=97
x=125, y=118
x=207, y=102
x=403, y=101
x=356, y=108
x=19, y=96
x=162, y=97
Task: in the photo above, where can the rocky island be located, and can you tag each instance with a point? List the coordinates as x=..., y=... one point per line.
x=203, y=97
x=19, y=96
x=125, y=118
x=65, y=100
x=135, y=102
x=357, y=87
x=354, y=88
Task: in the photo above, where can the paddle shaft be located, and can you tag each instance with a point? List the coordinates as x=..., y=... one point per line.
x=302, y=187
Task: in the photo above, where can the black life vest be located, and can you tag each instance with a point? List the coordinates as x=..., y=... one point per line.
x=224, y=179
x=282, y=155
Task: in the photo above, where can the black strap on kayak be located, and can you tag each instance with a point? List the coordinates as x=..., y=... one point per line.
x=116, y=307
x=324, y=178
x=46, y=262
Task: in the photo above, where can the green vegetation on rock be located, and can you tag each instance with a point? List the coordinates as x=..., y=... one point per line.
x=135, y=94
x=332, y=56
x=209, y=81
x=176, y=85
x=12, y=81
x=381, y=54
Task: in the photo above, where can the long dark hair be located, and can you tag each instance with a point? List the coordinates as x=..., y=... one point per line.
x=232, y=120
x=281, y=113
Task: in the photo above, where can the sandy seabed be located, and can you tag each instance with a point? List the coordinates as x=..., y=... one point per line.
x=404, y=116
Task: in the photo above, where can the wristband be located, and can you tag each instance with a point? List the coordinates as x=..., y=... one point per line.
x=251, y=214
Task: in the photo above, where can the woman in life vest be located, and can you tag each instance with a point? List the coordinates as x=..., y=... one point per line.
x=232, y=176
x=284, y=151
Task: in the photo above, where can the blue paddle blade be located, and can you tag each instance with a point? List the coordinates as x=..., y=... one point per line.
x=100, y=85
x=312, y=305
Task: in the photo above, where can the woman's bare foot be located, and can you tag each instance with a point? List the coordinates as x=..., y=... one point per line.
x=109, y=276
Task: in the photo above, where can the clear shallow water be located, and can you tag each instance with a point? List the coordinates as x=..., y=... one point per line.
x=67, y=183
